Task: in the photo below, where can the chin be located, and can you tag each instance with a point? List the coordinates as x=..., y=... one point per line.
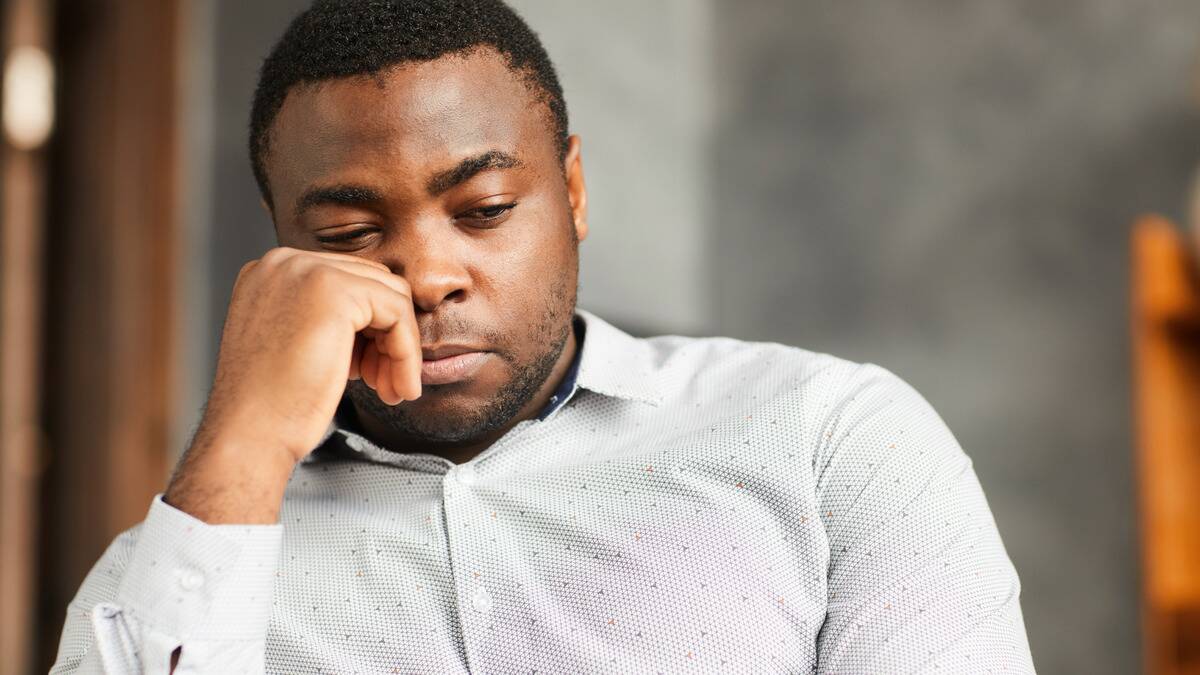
x=444, y=414
x=448, y=401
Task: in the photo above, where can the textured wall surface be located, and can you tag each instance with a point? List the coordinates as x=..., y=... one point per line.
x=241, y=228
x=941, y=188
x=946, y=189
x=638, y=82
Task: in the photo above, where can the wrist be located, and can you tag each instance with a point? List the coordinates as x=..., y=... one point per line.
x=231, y=478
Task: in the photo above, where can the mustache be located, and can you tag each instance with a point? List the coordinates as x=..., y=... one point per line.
x=460, y=331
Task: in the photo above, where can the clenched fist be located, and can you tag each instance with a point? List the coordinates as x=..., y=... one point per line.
x=300, y=325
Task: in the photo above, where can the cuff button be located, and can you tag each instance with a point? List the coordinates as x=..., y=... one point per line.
x=190, y=580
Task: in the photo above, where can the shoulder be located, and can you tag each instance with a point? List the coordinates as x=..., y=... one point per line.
x=823, y=401
x=767, y=370
x=812, y=399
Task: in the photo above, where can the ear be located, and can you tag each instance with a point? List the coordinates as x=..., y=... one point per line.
x=270, y=215
x=576, y=190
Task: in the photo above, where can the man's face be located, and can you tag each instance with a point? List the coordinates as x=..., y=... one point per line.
x=448, y=173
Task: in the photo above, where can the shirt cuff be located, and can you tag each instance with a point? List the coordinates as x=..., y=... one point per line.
x=190, y=579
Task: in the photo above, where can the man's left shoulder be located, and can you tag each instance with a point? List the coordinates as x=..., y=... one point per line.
x=760, y=370
x=815, y=396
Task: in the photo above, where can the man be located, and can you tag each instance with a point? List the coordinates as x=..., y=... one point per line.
x=418, y=457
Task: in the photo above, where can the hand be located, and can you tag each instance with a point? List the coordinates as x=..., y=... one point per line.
x=300, y=324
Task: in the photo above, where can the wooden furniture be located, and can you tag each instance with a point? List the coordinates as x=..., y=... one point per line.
x=1166, y=341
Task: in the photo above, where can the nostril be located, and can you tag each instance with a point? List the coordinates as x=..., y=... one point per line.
x=428, y=302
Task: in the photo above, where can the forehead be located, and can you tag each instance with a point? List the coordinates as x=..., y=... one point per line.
x=411, y=119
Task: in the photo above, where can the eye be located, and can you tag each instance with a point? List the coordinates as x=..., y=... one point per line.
x=489, y=215
x=347, y=240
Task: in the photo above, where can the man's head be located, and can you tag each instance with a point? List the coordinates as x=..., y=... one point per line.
x=431, y=136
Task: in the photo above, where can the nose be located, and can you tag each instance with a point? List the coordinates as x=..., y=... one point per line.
x=434, y=273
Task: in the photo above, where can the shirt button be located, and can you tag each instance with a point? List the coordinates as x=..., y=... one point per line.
x=190, y=580
x=466, y=474
x=481, y=600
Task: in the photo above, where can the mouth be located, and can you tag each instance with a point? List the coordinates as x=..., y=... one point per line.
x=446, y=364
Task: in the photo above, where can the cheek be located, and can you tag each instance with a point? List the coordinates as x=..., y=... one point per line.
x=534, y=250
x=531, y=271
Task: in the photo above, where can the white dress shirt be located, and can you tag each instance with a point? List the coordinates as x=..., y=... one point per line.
x=693, y=505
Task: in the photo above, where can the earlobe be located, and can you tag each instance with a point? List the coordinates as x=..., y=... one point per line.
x=576, y=188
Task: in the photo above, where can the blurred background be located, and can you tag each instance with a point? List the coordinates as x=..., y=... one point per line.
x=946, y=189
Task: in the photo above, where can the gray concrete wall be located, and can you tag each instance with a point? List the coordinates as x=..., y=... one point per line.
x=941, y=188
x=946, y=189
x=638, y=80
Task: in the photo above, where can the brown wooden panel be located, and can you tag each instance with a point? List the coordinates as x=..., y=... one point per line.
x=112, y=270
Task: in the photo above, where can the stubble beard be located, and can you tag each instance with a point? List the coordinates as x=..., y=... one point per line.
x=552, y=330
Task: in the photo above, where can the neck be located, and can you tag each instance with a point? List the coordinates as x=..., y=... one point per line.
x=377, y=432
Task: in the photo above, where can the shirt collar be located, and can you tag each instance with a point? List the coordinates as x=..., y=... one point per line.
x=567, y=386
x=616, y=364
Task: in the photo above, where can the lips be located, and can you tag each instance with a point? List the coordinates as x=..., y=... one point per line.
x=435, y=352
x=446, y=364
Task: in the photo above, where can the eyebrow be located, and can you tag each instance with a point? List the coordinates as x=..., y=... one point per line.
x=358, y=195
x=338, y=195
x=468, y=168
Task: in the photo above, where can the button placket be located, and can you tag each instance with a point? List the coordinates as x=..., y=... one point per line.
x=466, y=521
x=466, y=475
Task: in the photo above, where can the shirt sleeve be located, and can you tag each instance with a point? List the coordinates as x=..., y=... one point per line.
x=919, y=580
x=175, y=582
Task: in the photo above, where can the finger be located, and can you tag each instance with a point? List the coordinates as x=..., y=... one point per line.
x=372, y=305
x=345, y=257
x=398, y=340
x=413, y=368
x=387, y=393
x=355, y=358
x=401, y=346
x=394, y=370
x=281, y=254
x=369, y=365
x=358, y=266
x=381, y=307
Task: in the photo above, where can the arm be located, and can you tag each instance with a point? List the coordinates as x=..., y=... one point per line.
x=174, y=581
x=919, y=580
x=190, y=589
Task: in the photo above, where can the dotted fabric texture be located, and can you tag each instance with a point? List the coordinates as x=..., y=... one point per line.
x=694, y=505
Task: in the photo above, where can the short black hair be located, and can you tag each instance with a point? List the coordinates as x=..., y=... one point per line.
x=346, y=38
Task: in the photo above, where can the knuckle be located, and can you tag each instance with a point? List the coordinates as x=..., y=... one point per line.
x=277, y=255
x=321, y=278
x=247, y=267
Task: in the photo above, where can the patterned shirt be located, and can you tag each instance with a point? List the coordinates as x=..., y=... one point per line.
x=691, y=505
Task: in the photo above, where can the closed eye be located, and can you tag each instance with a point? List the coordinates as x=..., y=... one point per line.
x=352, y=235
x=489, y=214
